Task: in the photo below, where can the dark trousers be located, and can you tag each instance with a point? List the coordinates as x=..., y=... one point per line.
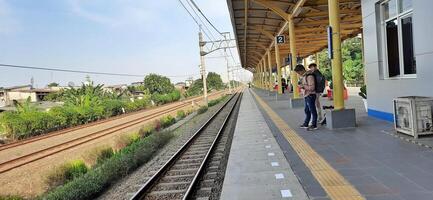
x=310, y=109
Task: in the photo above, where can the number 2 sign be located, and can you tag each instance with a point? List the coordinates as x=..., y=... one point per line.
x=281, y=39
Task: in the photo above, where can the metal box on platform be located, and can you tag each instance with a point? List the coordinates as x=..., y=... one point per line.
x=413, y=115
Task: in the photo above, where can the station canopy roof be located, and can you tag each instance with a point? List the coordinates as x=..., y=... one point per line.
x=257, y=22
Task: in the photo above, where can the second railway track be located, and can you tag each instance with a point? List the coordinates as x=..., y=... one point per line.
x=69, y=144
x=181, y=174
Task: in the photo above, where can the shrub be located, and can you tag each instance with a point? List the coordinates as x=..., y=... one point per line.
x=202, y=109
x=98, y=155
x=96, y=180
x=160, y=99
x=122, y=141
x=216, y=101
x=146, y=130
x=180, y=114
x=66, y=172
x=157, y=124
x=167, y=121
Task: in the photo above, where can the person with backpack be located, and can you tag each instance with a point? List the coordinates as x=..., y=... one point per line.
x=308, y=88
x=320, y=87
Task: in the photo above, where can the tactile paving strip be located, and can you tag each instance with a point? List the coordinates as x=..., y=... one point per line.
x=335, y=185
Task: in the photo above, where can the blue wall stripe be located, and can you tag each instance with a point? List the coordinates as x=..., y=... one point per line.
x=381, y=115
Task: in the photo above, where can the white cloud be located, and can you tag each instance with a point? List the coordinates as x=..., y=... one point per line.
x=8, y=24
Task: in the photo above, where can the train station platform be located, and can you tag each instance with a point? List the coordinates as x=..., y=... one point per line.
x=366, y=162
x=257, y=168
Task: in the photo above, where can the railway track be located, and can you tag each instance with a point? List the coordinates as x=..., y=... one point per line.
x=66, y=130
x=69, y=144
x=182, y=175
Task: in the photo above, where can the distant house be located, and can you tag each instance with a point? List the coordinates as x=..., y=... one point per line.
x=21, y=93
x=137, y=83
x=115, y=88
x=180, y=86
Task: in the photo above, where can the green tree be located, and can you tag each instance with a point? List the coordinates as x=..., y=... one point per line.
x=214, y=81
x=196, y=88
x=351, y=52
x=53, y=84
x=158, y=84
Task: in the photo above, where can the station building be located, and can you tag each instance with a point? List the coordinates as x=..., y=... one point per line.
x=398, y=48
x=398, y=52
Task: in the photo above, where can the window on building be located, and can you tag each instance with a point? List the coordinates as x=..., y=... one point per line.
x=396, y=17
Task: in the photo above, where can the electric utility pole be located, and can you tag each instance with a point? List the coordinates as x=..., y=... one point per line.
x=202, y=65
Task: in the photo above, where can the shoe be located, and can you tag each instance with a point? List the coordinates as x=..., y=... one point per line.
x=303, y=126
x=312, y=128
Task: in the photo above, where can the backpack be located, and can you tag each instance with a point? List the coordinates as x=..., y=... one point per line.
x=319, y=81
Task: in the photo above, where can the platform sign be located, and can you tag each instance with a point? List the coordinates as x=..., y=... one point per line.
x=281, y=39
x=289, y=59
x=330, y=47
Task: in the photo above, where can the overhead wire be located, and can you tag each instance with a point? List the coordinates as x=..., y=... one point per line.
x=195, y=5
x=195, y=20
x=82, y=71
x=202, y=22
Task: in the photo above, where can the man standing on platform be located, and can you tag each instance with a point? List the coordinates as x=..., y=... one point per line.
x=307, y=85
x=320, y=86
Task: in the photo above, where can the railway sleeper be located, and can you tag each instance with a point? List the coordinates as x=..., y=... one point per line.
x=189, y=161
x=167, y=194
x=189, y=153
x=199, y=148
x=207, y=183
x=185, y=166
x=193, y=156
x=212, y=175
x=177, y=178
x=171, y=186
x=204, y=192
x=182, y=172
x=202, y=144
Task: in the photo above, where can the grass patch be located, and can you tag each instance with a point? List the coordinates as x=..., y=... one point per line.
x=180, y=114
x=167, y=121
x=122, y=163
x=146, y=130
x=98, y=155
x=216, y=101
x=66, y=172
x=202, y=109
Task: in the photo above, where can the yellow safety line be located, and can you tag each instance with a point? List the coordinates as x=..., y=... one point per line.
x=335, y=185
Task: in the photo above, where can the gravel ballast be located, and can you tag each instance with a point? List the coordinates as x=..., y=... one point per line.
x=127, y=186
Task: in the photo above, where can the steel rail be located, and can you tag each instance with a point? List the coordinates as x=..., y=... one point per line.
x=201, y=169
x=80, y=140
x=158, y=175
x=95, y=123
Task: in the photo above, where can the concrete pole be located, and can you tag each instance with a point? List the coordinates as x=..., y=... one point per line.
x=261, y=74
x=305, y=63
x=265, y=74
x=203, y=67
x=317, y=60
x=259, y=68
x=228, y=72
x=293, y=51
x=271, y=80
x=278, y=60
x=337, y=67
x=363, y=58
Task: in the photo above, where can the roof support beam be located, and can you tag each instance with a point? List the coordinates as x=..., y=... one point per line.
x=273, y=7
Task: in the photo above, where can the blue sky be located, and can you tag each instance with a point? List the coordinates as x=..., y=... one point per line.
x=119, y=36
